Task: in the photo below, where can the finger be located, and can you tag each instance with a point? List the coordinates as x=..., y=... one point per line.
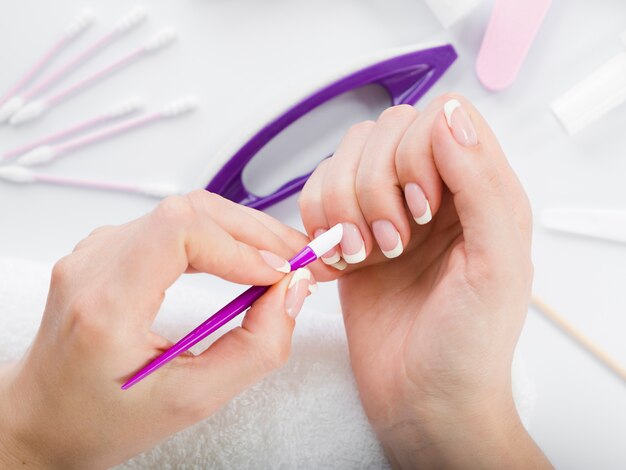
x=378, y=190
x=415, y=166
x=463, y=147
x=262, y=344
x=339, y=197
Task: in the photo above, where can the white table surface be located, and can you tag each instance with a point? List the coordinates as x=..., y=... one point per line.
x=238, y=55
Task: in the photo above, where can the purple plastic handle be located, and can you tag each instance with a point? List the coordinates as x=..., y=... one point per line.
x=237, y=306
x=406, y=78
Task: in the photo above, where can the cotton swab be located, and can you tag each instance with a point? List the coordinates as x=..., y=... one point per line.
x=127, y=22
x=78, y=25
x=116, y=112
x=580, y=338
x=21, y=175
x=36, y=108
x=46, y=153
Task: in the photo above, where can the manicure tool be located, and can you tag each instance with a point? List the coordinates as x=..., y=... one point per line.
x=606, y=224
x=594, y=96
x=127, y=22
x=579, y=337
x=121, y=110
x=509, y=35
x=36, y=108
x=406, y=74
x=46, y=153
x=78, y=25
x=20, y=175
x=315, y=249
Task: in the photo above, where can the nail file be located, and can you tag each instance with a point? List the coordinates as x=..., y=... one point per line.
x=449, y=12
x=510, y=33
x=314, y=250
x=606, y=224
x=596, y=95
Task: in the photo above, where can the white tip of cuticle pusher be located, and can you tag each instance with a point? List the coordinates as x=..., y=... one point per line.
x=30, y=111
x=10, y=108
x=38, y=156
x=449, y=108
x=426, y=217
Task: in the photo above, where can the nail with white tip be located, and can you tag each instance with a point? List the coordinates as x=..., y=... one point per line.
x=340, y=265
x=297, y=291
x=388, y=238
x=460, y=123
x=276, y=262
x=418, y=204
x=352, y=244
x=20, y=175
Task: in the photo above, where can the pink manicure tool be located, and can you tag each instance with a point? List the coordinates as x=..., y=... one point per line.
x=318, y=247
x=510, y=33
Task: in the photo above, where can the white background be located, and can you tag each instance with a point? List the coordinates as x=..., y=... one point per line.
x=239, y=55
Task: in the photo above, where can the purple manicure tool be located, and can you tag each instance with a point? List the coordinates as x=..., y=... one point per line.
x=310, y=253
x=405, y=74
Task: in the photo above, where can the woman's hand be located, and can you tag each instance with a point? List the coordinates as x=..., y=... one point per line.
x=431, y=333
x=62, y=406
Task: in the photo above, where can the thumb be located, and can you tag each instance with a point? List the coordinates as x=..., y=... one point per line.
x=466, y=154
x=262, y=344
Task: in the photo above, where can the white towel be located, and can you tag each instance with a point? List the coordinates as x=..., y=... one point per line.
x=306, y=415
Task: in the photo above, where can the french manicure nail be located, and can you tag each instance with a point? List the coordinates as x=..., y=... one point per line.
x=388, y=238
x=279, y=264
x=340, y=265
x=460, y=124
x=352, y=244
x=418, y=204
x=298, y=289
x=330, y=257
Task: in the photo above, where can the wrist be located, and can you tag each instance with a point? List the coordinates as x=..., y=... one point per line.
x=489, y=437
x=13, y=451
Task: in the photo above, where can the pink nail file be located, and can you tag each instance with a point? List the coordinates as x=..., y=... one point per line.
x=510, y=33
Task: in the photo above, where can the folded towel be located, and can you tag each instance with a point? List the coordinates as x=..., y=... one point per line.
x=306, y=415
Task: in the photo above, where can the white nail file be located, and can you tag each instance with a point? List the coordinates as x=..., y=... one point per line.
x=606, y=224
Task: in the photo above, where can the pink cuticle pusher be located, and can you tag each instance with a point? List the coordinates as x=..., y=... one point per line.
x=314, y=250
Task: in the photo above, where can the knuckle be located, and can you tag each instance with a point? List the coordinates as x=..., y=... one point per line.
x=62, y=272
x=174, y=210
x=360, y=128
x=402, y=111
x=273, y=354
x=86, y=327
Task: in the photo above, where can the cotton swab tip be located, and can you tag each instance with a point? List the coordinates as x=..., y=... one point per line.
x=16, y=174
x=38, y=156
x=180, y=106
x=79, y=24
x=126, y=107
x=162, y=39
x=30, y=111
x=131, y=19
x=10, y=108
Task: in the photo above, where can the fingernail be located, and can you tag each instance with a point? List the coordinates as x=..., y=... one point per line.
x=297, y=291
x=352, y=245
x=340, y=265
x=330, y=257
x=388, y=238
x=460, y=124
x=279, y=264
x=418, y=204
